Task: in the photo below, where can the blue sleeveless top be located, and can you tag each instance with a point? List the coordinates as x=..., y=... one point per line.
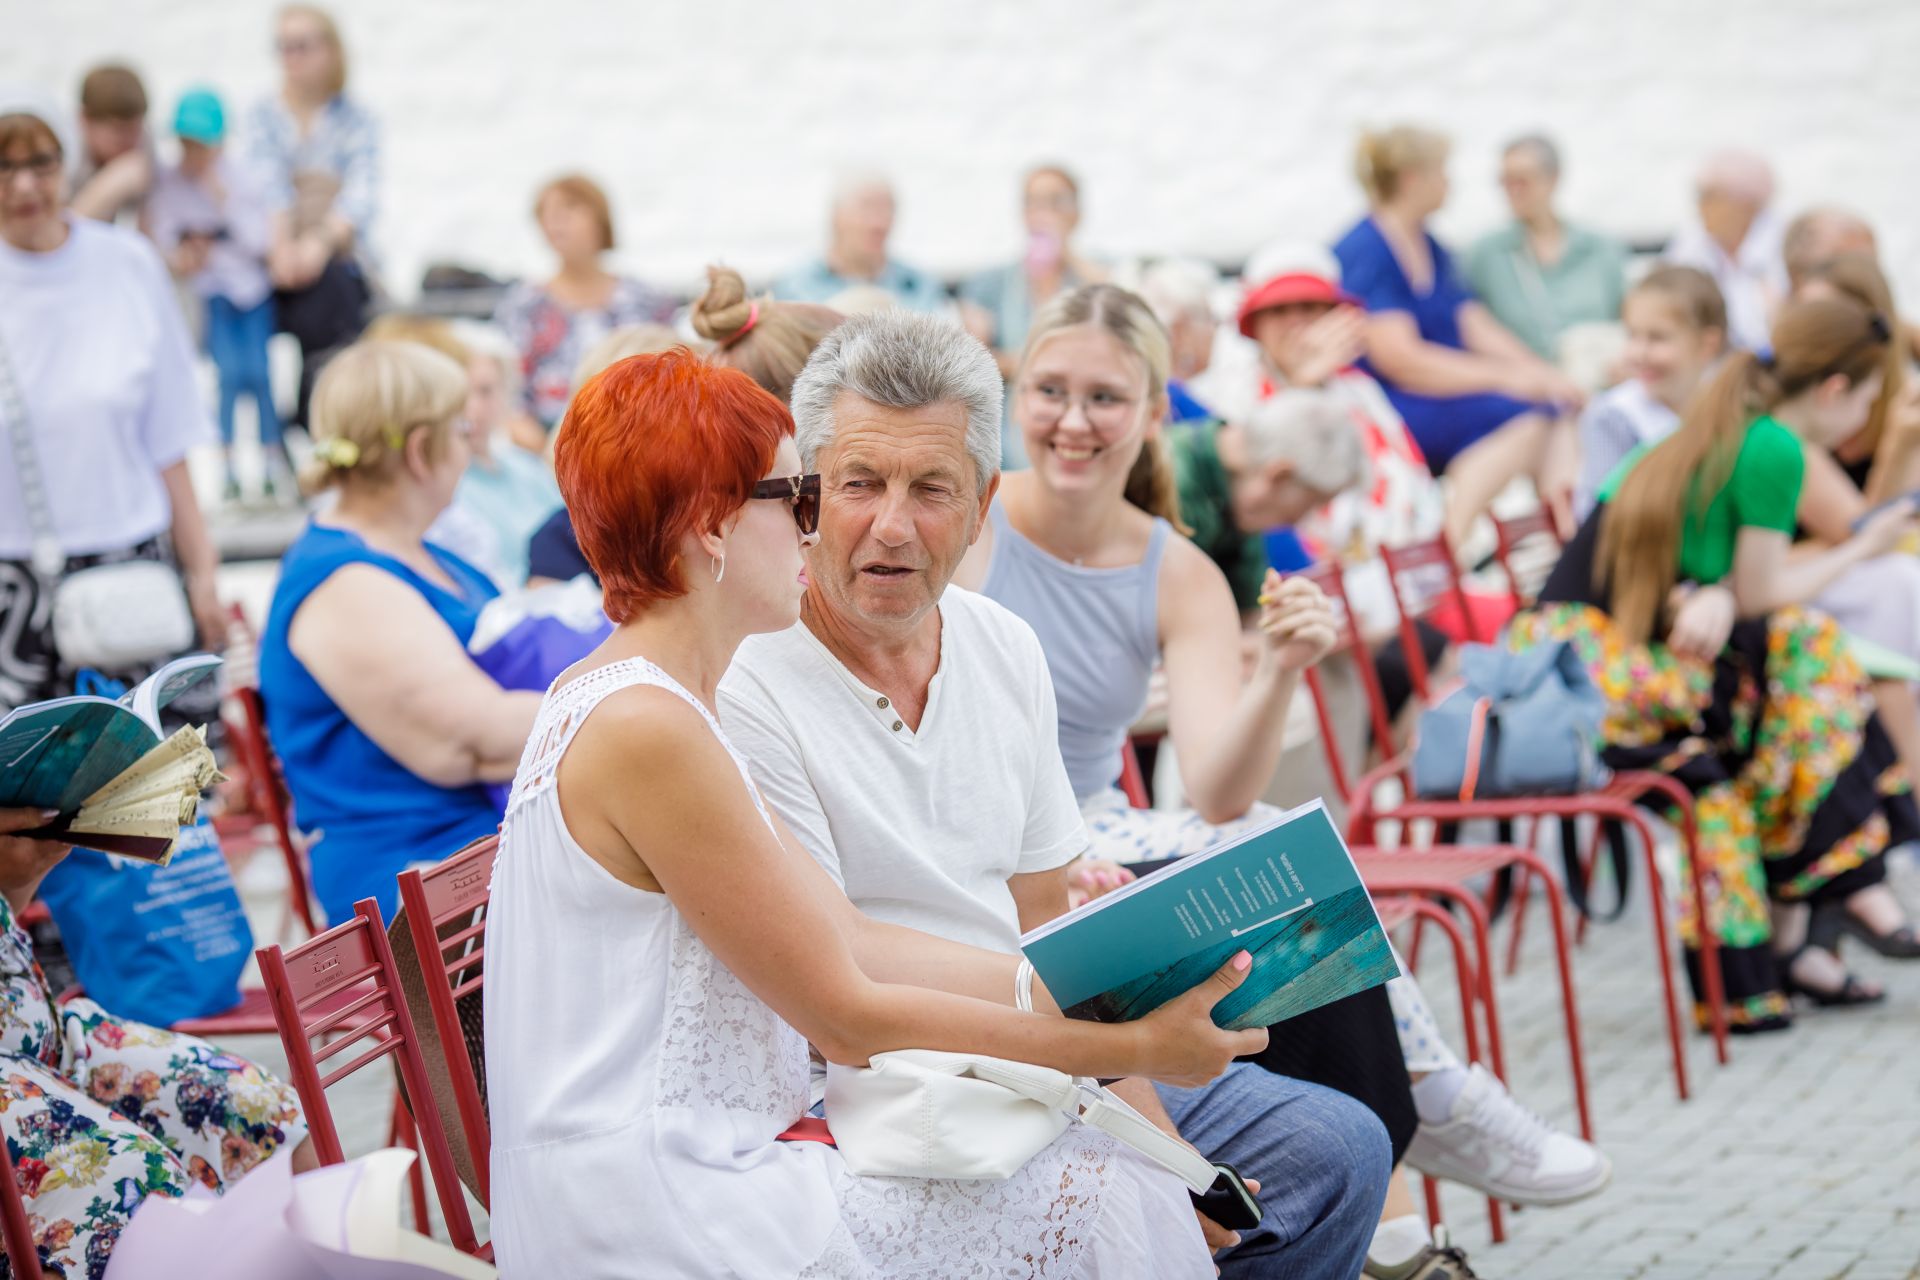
x=368, y=815
x=1100, y=631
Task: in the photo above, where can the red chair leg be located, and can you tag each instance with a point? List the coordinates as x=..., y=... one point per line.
x=1472, y=992
x=1563, y=956
x=403, y=1134
x=1663, y=953
x=1432, y=1190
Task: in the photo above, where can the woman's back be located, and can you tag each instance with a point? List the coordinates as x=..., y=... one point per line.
x=372, y=813
x=1100, y=630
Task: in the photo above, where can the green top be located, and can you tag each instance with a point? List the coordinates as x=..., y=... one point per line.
x=1762, y=491
x=1587, y=284
x=1206, y=505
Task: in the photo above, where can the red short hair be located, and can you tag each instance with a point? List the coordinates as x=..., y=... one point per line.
x=653, y=448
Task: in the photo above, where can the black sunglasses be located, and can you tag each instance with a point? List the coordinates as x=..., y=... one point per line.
x=802, y=491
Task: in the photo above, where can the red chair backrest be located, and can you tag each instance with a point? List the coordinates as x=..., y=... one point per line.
x=446, y=909
x=340, y=989
x=270, y=797
x=23, y=1256
x=1512, y=534
x=1328, y=577
x=1132, y=781
x=1424, y=575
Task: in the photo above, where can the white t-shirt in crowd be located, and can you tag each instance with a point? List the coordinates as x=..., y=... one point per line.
x=99, y=351
x=923, y=828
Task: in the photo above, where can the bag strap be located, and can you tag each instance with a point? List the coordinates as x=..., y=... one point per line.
x=1109, y=1113
x=48, y=560
x=1476, y=746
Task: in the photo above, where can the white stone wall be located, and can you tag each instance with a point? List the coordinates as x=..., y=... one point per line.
x=1201, y=126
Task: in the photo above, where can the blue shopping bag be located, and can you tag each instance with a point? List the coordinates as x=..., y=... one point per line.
x=154, y=944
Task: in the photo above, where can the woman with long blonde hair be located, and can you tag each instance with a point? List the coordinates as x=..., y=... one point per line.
x=1086, y=546
x=1680, y=594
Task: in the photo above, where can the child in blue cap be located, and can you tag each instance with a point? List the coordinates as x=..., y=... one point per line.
x=211, y=224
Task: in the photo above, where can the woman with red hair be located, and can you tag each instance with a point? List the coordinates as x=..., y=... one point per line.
x=635, y=844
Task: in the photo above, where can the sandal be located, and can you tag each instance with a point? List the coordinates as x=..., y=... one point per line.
x=1896, y=944
x=1852, y=991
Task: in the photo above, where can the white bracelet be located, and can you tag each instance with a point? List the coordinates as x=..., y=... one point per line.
x=1023, y=986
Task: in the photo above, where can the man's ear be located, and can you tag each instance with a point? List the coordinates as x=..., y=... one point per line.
x=986, y=501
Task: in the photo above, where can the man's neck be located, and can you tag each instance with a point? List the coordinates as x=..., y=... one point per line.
x=852, y=266
x=900, y=663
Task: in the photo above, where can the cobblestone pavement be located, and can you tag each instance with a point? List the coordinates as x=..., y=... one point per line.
x=1800, y=1160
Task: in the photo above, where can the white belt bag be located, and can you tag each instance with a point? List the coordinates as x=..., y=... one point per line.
x=917, y=1113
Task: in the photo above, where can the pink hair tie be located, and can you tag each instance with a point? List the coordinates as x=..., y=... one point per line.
x=753, y=318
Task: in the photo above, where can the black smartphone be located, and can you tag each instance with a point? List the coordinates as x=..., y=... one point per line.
x=1228, y=1202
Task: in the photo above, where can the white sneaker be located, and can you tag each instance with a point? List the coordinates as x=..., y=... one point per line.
x=1496, y=1146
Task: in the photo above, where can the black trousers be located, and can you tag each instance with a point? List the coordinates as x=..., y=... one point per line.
x=1350, y=1045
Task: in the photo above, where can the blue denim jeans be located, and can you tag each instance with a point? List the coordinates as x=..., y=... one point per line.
x=1322, y=1161
x=237, y=341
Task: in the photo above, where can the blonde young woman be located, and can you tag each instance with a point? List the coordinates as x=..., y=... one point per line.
x=387, y=729
x=1482, y=407
x=1086, y=548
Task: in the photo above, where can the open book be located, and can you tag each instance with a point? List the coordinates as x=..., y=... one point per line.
x=1288, y=893
x=102, y=764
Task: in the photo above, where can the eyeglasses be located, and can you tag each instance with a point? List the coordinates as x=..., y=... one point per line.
x=802, y=491
x=1049, y=401
x=41, y=164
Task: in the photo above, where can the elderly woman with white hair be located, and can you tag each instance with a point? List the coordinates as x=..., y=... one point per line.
x=1737, y=241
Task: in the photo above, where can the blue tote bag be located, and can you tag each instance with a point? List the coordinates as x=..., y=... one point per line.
x=154, y=944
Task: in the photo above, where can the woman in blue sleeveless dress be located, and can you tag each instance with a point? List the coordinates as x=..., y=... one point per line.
x=385, y=727
x=1482, y=406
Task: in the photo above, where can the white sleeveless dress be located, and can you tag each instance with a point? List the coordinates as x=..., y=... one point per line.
x=636, y=1089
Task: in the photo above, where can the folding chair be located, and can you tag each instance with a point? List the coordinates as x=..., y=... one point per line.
x=1517, y=540
x=1446, y=873
x=1618, y=801
x=352, y=962
x=16, y=1231
x=443, y=910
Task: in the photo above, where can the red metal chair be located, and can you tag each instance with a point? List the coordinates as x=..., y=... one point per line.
x=1132, y=781
x=1619, y=800
x=1447, y=873
x=445, y=908
x=16, y=1231
x=306, y=985
x=1512, y=538
x=269, y=795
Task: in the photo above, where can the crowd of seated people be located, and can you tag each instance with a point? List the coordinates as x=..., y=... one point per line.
x=874, y=555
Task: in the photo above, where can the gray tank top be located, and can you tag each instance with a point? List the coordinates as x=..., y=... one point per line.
x=1100, y=631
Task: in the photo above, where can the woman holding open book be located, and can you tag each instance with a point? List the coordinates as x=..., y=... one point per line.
x=386, y=728
x=99, y=1112
x=1086, y=546
x=644, y=1135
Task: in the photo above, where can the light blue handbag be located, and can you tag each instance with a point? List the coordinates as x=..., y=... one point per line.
x=1522, y=724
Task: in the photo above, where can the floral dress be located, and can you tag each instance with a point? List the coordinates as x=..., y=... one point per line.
x=552, y=337
x=99, y=1113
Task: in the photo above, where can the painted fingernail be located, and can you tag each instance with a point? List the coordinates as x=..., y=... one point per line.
x=1242, y=961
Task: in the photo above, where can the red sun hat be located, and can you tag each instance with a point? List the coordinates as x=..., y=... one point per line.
x=1288, y=273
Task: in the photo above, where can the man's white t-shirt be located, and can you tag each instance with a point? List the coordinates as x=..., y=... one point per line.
x=99, y=351
x=922, y=829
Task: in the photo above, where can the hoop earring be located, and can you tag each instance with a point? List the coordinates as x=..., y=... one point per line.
x=719, y=568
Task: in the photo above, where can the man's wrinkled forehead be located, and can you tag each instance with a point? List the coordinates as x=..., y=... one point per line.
x=928, y=442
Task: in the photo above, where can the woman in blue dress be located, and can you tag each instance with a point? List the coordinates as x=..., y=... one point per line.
x=1481, y=405
x=387, y=730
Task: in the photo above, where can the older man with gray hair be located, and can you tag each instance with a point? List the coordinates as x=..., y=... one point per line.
x=906, y=731
x=859, y=227
x=1737, y=242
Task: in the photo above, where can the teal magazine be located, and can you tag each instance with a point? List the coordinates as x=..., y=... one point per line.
x=1288, y=893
